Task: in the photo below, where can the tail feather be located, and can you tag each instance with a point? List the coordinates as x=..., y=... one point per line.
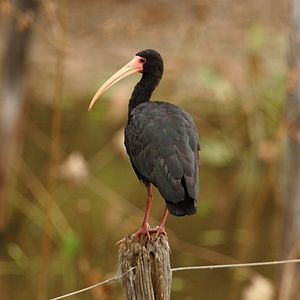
x=185, y=207
x=182, y=208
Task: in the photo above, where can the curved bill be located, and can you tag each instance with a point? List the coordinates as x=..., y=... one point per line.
x=135, y=65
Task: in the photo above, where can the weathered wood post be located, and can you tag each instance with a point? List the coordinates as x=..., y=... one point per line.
x=151, y=277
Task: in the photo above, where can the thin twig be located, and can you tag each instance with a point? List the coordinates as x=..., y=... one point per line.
x=116, y=278
x=206, y=267
x=239, y=265
x=55, y=146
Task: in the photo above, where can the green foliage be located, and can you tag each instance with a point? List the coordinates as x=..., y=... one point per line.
x=256, y=39
x=214, y=82
x=70, y=244
x=216, y=153
x=18, y=255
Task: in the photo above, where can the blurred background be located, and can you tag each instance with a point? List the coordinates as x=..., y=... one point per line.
x=67, y=189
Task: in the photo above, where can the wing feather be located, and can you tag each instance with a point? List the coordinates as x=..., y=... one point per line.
x=163, y=146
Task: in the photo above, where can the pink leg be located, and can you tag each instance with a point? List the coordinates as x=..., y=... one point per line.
x=161, y=228
x=144, y=227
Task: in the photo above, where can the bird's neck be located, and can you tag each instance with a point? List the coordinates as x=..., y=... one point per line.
x=142, y=91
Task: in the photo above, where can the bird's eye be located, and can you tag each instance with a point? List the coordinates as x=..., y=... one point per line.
x=142, y=60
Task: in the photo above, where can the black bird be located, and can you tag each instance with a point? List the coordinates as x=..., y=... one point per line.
x=161, y=141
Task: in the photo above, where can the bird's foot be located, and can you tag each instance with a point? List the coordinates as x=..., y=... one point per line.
x=147, y=231
x=144, y=230
x=160, y=230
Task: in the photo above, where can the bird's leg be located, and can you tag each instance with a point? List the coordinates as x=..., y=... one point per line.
x=148, y=207
x=144, y=227
x=161, y=228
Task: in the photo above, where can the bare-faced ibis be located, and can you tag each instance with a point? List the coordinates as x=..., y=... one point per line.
x=161, y=141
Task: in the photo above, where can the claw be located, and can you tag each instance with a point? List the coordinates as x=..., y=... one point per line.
x=147, y=231
x=144, y=230
x=160, y=230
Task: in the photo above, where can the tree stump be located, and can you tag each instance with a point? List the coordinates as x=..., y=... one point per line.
x=151, y=277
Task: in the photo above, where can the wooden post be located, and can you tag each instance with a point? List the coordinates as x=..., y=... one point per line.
x=151, y=278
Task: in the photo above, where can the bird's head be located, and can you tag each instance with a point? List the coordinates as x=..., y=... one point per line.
x=148, y=62
x=153, y=63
